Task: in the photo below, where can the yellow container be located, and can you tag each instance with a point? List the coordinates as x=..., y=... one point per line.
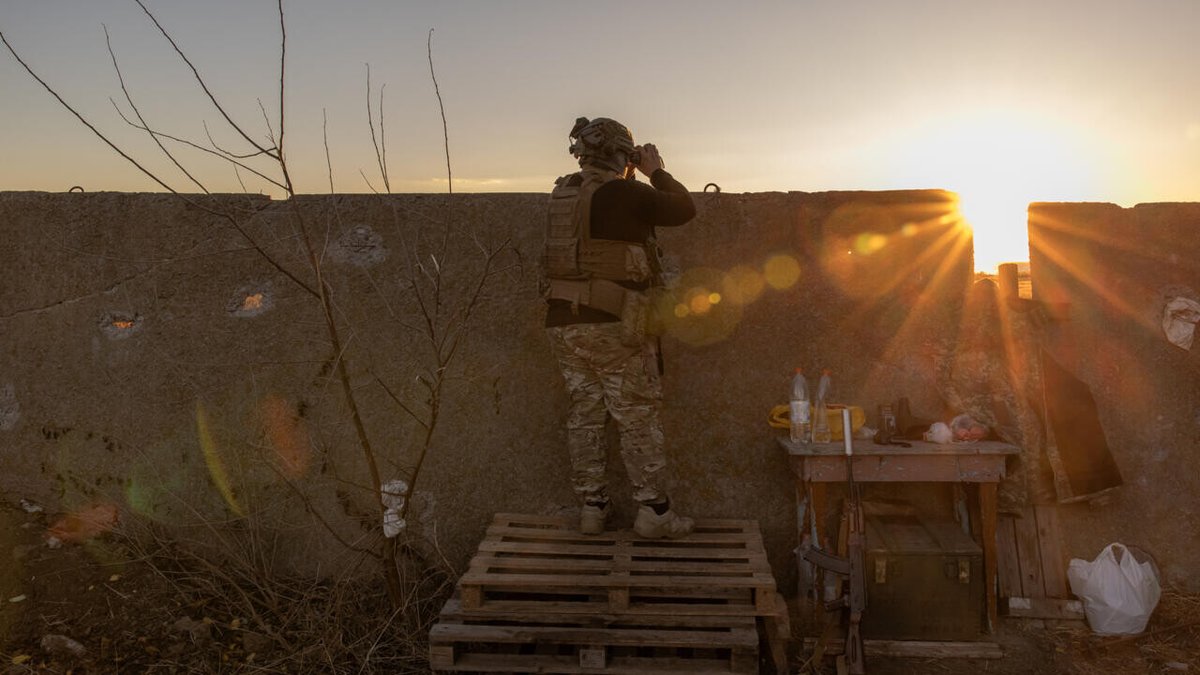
x=833, y=413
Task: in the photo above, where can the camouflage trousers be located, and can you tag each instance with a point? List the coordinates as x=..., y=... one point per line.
x=607, y=376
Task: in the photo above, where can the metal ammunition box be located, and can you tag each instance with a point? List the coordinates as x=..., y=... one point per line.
x=924, y=581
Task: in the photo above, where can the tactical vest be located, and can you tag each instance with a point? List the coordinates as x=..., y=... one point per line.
x=583, y=270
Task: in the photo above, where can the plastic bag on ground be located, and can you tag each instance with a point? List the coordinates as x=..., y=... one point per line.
x=1118, y=595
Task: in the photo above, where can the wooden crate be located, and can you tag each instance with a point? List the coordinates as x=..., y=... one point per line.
x=540, y=563
x=553, y=642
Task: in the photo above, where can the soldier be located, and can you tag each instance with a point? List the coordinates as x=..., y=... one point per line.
x=600, y=262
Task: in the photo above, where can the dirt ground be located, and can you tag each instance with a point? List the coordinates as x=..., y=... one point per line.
x=115, y=613
x=1037, y=647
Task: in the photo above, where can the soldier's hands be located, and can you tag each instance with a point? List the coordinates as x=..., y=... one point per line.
x=650, y=160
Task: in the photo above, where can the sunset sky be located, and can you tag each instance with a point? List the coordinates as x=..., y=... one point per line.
x=1003, y=102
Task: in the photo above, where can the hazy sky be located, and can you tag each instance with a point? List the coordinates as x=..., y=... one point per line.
x=1004, y=102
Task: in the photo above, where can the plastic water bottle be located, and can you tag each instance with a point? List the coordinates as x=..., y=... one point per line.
x=798, y=409
x=821, y=433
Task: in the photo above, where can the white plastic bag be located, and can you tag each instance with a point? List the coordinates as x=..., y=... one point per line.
x=1118, y=596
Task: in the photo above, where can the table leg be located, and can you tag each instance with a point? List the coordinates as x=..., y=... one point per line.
x=819, y=514
x=987, y=513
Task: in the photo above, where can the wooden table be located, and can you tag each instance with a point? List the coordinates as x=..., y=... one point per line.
x=981, y=463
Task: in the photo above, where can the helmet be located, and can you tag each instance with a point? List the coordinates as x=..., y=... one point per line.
x=601, y=142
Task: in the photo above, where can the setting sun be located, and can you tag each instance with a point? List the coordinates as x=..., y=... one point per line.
x=998, y=161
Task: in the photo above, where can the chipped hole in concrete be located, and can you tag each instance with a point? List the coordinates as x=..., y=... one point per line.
x=120, y=325
x=250, y=301
x=360, y=246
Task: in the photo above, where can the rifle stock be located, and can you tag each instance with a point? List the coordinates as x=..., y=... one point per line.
x=853, y=568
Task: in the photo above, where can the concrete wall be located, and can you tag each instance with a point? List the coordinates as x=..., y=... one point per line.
x=1117, y=268
x=152, y=358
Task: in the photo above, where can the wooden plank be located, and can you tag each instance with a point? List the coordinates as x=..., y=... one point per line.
x=648, y=645
x=739, y=635
x=778, y=632
x=521, y=609
x=689, y=615
x=907, y=469
x=522, y=663
x=1045, y=608
x=916, y=649
x=441, y=656
x=520, y=565
x=919, y=448
x=569, y=550
x=1054, y=565
x=1007, y=565
x=751, y=580
x=987, y=515
x=1029, y=555
x=706, y=525
x=717, y=536
x=618, y=595
x=472, y=596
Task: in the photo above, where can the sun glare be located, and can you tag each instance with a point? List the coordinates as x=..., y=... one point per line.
x=998, y=161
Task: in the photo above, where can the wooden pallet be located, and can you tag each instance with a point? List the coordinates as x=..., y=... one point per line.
x=581, y=643
x=541, y=563
x=540, y=597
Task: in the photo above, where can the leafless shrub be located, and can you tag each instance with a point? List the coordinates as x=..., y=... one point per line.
x=333, y=625
x=264, y=619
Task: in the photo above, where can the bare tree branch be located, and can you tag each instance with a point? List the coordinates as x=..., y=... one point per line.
x=203, y=85
x=368, y=181
x=238, y=175
x=267, y=121
x=328, y=161
x=442, y=108
x=201, y=148
x=282, y=62
x=82, y=119
x=227, y=153
x=405, y=408
x=129, y=99
x=380, y=153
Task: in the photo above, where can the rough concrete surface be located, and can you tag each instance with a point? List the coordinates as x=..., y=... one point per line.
x=1117, y=268
x=153, y=357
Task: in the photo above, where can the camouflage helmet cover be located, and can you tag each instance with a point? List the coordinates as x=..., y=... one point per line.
x=602, y=142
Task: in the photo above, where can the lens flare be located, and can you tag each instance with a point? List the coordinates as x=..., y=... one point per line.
x=863, y=255
x=149, y=494
x=694, y=312
x=869, y=242
x=212, y=458
x=84, y=524
x=286, y=435
x=742, y=285
x=781, y=271
x=698, y=301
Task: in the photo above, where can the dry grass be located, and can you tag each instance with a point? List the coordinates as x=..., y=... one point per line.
x=261, y=619
x=1171, y=643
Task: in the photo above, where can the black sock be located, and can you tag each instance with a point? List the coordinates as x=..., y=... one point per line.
x=599, y=502
x=660, y=507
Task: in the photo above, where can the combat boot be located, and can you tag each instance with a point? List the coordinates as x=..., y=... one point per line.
x=651, y=525
x=592, y=517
